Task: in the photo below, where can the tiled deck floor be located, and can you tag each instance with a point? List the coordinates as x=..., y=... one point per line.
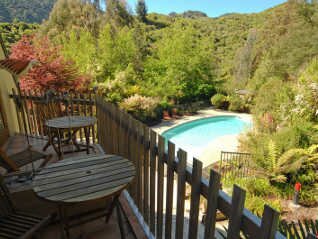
x=25, y=199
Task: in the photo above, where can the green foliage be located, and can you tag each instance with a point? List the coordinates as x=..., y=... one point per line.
x=220, y=101
x=309, y=196
x=259, y=193
x=274, y=97
x=256, y=204
x=238, y=104
x=30, y=11
x=117, y=13
x=12, y=32
x=284, y=76
x=80, y=46
x=117, y=50
x=182, y=62
x=260, y=187
x=72, y=15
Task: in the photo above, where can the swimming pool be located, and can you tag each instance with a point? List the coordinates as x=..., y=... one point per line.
x=195, y=136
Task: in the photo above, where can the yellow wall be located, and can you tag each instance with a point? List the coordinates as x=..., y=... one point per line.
x=6, y=85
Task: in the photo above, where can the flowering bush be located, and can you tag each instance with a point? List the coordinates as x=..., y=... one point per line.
x=143, y=108
x=51, y=70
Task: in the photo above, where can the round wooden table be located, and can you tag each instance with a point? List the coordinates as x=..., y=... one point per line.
x=78, y=179
x=72, y=124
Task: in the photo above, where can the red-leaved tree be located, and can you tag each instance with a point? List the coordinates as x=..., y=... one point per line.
x=51, y=70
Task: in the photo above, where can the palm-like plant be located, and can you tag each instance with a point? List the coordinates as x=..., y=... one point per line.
x=278, y=166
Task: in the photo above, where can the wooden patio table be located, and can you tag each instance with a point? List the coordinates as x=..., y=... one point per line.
x=77, y=180
x=71, y=124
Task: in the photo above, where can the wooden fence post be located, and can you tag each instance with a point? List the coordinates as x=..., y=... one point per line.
x=195, y=198
x=181, y=171
x=153, y=154
x=169, y=191
x=161, y=155
x=238, y=200
x=213, y=193
x=269, y=223
x=146, y=173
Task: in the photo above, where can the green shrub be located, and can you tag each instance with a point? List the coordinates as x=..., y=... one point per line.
x=220, y=101
x=309, y=196
x=165, y=105
x=260, y=187
x=256, y=204
x=238, y=104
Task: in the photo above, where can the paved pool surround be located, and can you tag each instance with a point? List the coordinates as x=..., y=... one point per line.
x=211, y=153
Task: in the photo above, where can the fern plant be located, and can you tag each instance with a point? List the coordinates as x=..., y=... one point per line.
x=278, y=166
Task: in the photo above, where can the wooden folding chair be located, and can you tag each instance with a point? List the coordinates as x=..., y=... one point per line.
x=14, y=162
x=14, y=223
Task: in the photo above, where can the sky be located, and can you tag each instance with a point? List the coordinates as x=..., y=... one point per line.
x=213, y=8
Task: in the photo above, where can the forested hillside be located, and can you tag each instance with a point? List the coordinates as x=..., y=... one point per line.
x=30, y=11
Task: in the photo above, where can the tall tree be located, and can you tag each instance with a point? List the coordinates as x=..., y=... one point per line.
x=68, y=15
x=117, y=13
x=184, y=61
x=141, y=10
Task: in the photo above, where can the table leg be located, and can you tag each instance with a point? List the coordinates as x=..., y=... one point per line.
x=87, y=131
x=47, y=144
x=74, y=139
x=50, y=140
x=62, y=217
x=59, y=145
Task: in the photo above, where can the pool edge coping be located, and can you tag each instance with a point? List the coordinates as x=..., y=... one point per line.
x=205, y=113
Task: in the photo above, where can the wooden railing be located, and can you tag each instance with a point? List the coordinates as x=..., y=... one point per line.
x=31, y=105
x=159, y=189
x=300, y=229
x=235, y=164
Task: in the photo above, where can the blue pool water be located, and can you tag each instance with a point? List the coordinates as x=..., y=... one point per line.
x=197, y=135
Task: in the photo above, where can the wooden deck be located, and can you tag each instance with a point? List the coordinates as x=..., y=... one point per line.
x=25, y=199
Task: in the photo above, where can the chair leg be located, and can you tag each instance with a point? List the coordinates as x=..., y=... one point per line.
x=111, y=208
x=120, y=220
x=46, y=160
